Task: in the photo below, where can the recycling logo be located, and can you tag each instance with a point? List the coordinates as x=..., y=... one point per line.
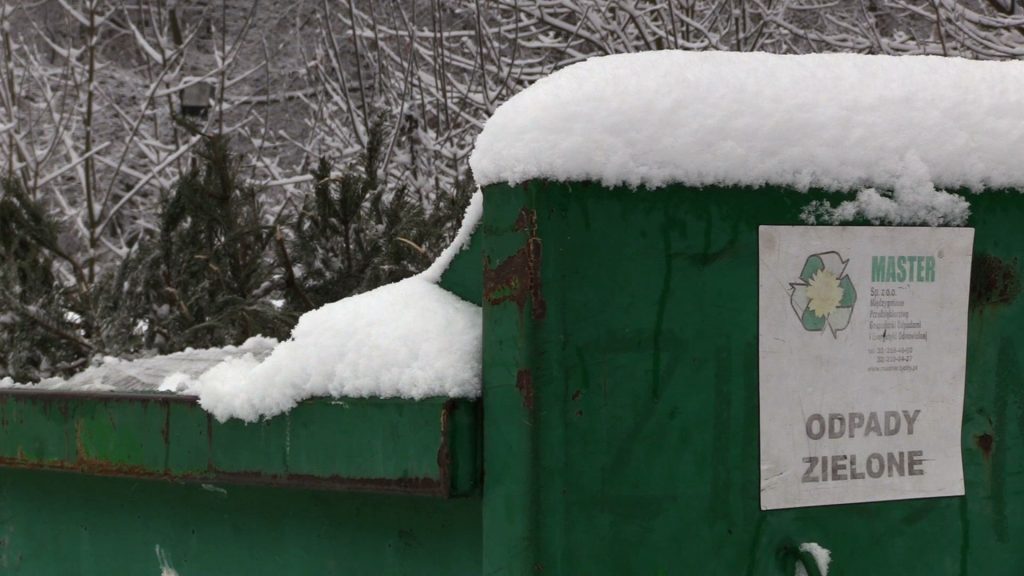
x=824, y=296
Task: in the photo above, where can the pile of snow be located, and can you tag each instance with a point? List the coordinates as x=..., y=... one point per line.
x=411, y=339
x=896, y=129
x=822, y=557
x=149, y=374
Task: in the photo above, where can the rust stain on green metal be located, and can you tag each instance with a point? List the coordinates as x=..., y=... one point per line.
x=524, y=383
x=994, y=280
x=517, y=277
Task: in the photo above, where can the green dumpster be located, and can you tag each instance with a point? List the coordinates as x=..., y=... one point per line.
x=626, y=370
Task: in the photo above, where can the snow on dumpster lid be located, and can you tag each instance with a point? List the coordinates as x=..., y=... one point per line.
x=835, y=121
x=411, y=339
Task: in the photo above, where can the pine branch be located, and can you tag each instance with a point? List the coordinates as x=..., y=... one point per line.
x=27, y=313
x=289, y=272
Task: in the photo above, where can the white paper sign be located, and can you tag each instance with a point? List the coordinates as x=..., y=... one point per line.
x=862, y=347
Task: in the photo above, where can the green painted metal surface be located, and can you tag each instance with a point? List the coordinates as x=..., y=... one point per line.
x=73, y=524
x=92, y=484
x=620, y=370
x=462, y=277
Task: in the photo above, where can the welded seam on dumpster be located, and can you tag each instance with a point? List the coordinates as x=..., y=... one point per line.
x=412, y=486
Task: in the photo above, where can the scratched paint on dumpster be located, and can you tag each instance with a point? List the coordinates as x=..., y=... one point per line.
x=862, y=349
